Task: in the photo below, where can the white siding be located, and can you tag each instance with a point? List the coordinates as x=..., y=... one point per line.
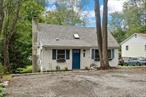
x=47, y=63
x=136, y=47
x=85, y=61
x=113, y=62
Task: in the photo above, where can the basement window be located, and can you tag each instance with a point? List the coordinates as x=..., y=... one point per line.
x=76, y=36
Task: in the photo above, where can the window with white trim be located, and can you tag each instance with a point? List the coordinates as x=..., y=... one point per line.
x=95, y=54
x=60, y=55
x=127, y=47
x=96, y=57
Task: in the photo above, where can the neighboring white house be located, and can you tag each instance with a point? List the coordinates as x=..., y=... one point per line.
x=70, y=47
x=134, y=46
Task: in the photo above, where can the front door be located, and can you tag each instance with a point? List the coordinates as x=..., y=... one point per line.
x=76, y=59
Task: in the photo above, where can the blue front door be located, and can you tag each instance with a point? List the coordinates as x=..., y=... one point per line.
x=76, y=59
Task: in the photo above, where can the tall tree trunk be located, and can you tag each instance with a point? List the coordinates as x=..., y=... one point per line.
x=6, y=55
x=102, y=35
x=9, y=30
x=98, y=30
x=1, y=16
x=105, y=36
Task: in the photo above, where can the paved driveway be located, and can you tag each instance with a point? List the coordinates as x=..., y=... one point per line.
x=118, y=83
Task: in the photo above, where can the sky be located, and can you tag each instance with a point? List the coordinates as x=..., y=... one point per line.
x=113, y=6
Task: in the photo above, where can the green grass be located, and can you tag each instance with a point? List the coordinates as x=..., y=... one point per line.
x=7, y=77
x=27, y=69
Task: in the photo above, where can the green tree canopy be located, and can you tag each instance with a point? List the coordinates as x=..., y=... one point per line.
x=131, y=20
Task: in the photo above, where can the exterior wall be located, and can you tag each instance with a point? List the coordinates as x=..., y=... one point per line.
x=48, y=64
x=136, y=47
x=113, y=62
x=85, y=61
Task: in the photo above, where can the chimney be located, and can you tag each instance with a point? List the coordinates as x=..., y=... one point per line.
x=34, y=44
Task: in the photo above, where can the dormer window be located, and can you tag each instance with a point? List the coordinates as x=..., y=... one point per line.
x=76, y=36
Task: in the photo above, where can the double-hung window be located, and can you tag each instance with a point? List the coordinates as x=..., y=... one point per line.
x=111, y=54
x=96, y=57
x=127, y=47
x=95, y=54
x=60, y=55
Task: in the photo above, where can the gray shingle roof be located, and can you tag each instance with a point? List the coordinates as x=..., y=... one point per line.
x=47, y=35
x=143, y=35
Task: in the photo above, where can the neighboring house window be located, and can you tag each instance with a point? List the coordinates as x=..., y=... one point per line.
x=60, y=55
x=145, y=47
x=135, y=35
x=96, y=57
x=127, y=47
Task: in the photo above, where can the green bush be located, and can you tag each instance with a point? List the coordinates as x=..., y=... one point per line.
x=27, y=69
x=1, y=91
x=1, y=69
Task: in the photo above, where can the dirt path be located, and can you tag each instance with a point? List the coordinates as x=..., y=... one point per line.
x=119, y=83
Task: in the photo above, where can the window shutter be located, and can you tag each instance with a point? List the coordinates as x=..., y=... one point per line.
x=93, y=54
x=67, y=54
x=113, y=53
x=54, y=54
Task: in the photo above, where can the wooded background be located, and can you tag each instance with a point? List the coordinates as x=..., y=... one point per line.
x=16, y=21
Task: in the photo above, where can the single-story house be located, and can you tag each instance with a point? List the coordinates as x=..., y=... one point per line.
x=134, y=46
x=70, y=47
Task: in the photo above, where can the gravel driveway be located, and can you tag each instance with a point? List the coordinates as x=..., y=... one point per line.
x=80, y=84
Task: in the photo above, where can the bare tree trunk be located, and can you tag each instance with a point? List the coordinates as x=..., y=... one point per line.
x=1, y=16
x=102, y=35
x=105, y=36
x=98, y=30
x=9, y=30
x=6, y=55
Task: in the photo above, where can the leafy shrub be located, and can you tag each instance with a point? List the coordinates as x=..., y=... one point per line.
x=1, y=69
x=27, y=69
x=1, y=91
x=57, y=67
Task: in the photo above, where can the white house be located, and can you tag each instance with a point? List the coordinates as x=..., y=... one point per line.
x=70, y=47
x=134, y=46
